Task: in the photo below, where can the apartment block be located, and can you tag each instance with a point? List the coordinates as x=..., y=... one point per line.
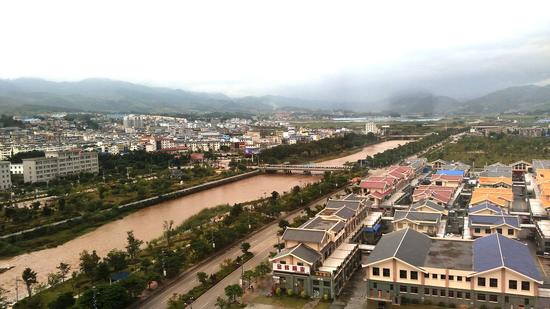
x=5, y=177
x=59, y=164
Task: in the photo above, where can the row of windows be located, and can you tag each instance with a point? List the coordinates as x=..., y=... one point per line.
x=452, y=294
x=499, y=230
x=481, y=281
x=512, y=284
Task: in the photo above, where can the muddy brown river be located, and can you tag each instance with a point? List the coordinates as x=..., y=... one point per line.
x=147, y=223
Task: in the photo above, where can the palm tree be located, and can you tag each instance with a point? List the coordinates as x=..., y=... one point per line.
x=29, y=277
x=168, y=230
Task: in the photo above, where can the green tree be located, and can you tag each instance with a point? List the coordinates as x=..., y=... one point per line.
x=63, y=301
x=54, y=279
x=29, y=277
x=89, y=263
x=202, y=277
x=116, y=259
x=134, y=284
x=106, y=297
x=221, y=303
x=102, y=272
x=133, y=245
x=233, y=292
x=245, y=247
x=63, y=270
x=168, y=231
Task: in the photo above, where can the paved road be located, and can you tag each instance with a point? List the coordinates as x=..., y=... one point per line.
x=262, y=243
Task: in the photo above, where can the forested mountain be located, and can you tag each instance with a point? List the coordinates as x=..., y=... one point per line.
x=103, y=95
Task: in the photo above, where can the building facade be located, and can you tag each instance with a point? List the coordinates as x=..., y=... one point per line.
x=58, y=164
x=5, y=176
x=490, y=272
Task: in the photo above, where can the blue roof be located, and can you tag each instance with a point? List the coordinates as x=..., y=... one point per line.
x=485, y=205
x=494, y=220
x=451, y=172
x=496, y=251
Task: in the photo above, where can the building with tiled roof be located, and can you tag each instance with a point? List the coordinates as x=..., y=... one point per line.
x=438, y=194
x=446, y=180
x=487, y=272
x=502, y=197
x=482, y=225
x=423, y=222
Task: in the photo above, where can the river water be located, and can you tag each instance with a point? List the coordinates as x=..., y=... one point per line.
x=147, y=223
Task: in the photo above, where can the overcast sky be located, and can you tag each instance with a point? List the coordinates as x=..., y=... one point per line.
x=350, y=50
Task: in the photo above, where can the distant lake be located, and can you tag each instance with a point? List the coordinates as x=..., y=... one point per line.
x=384, y=119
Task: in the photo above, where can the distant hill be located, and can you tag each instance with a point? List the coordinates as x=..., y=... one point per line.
x=422, y=102
x=112, y=96
x=513, y=99
x=104, y=95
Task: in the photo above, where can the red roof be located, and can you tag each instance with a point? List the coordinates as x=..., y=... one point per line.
x=197, y=156
x=447, y=177
x=373, y=184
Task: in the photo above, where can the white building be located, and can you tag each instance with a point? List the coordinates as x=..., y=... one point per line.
x=61, y=163
x=5, y=177
x=370, y=127
x=132, y=122
x=16, y=168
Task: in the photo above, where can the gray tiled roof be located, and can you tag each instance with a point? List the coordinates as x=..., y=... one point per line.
x=496, y=251
x=428, y=203
x=497, y=171
x=351, y=204
x=345, y=213
x=485, y=205
x=494, y=220
x=417, y=216
x=304, y=235
x=406, y=244
x=302, y=252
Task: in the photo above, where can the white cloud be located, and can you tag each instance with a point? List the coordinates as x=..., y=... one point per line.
x=245, y=47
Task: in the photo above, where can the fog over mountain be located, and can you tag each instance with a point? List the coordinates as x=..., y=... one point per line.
x=103, y=95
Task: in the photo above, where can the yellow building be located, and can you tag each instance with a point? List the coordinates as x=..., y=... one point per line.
x=492, y=271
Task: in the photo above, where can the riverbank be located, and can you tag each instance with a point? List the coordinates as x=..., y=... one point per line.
x=54, y=234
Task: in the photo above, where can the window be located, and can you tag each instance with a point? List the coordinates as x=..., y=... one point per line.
x=386, y=272
x=481, y=281
x=525, y=286
x=458, y=294
x=451, y=277
x=481, y=297
x=426, y=291
x=467, y=295
x=506, y=299
x=510, y=232
x=493, y=298
x=442, y=292
x=374, y=285
x=526, y=301
x=426, y=275
x=391, y=287
x=403, y=274
x=443, y=277
x=458, y=278
x=499, y=230
x=326, y=283
x=434, y=292
x=451, y=294
x=315, y=282
x=487, y=231
x=468, y=279
x=300, y=264
x=434, y=276
x=403, y=288
x=493, y=282
x=414, y=289
x=376, y=271
x=414, y=275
